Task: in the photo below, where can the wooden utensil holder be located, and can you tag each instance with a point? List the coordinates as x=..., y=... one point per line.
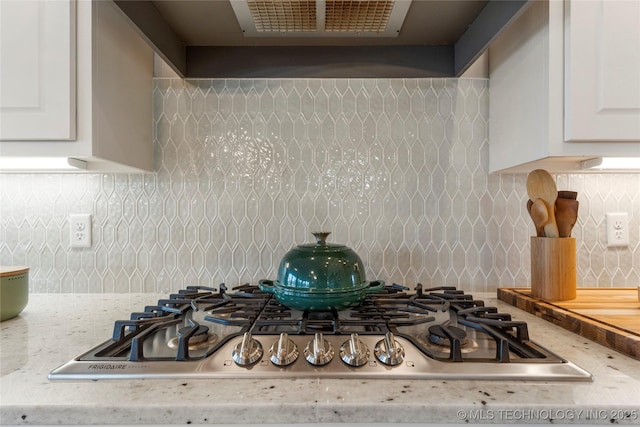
x=553, y=268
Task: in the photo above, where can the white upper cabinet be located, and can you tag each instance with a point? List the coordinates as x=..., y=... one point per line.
x=37, y=73
x=603, y=70
x=110, y=81
x=565, y=86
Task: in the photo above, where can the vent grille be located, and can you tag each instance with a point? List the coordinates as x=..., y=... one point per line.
x=357, y=15
x=283, y=15
x=328, y=18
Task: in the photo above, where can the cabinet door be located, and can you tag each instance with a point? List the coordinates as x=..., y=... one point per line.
x=602, y=70
x=37, y=70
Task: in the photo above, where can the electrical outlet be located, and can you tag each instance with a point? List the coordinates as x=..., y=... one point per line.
x=80, y=229
x=617, y=229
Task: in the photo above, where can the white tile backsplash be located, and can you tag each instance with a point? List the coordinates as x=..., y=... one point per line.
x=245, y=169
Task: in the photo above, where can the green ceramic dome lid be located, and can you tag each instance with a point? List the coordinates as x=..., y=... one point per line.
x=321, y=267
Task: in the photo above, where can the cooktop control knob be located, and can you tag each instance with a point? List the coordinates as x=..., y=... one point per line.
x=354, y=352
x=284, y=351
x=247, y=352
x=389, y=351
x=319, y=351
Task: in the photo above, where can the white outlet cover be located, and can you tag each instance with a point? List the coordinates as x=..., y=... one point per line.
x=80, y=230
x=617, y=229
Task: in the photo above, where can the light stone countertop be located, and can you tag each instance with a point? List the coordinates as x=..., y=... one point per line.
x=46, y=335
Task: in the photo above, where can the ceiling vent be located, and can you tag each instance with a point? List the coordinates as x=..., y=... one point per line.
x=324, y=18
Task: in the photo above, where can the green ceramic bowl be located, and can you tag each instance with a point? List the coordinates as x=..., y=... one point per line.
x=320, y=276
x=319, y=301
x=14, y=291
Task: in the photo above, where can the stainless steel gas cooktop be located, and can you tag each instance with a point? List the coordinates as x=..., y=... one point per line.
x=436, y=333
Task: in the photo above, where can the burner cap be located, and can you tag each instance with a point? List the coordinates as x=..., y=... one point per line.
x=321, y=315
x=199, y=340
x=438, y=336
x=201, y=334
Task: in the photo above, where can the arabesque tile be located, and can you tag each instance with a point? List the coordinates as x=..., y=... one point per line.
x=246, y=168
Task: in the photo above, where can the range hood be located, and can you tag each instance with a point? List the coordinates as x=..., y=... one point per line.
x=320, y=38
x=320, y=18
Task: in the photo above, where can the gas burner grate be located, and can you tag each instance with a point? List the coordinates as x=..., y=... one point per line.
x=392, y=309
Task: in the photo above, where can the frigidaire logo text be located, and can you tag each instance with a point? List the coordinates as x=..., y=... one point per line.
x=110, y=366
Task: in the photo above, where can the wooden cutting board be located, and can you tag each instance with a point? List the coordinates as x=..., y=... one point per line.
x=609, y=316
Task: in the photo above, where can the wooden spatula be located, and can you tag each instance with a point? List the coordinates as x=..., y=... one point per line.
x=565, y=194
x=540, y=185
x=566, y=215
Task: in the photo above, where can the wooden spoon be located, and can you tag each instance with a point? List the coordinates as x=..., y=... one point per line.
x=539, y=215
x=540, y=185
